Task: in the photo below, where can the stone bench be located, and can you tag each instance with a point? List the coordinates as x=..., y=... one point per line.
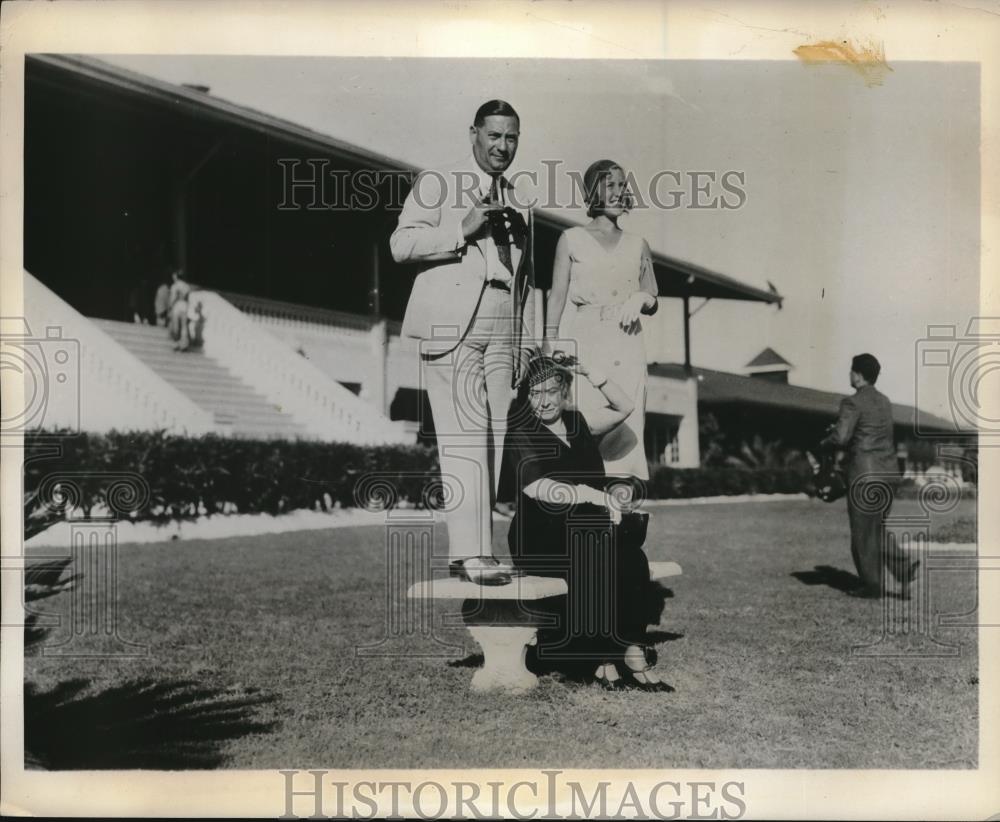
x=503, y=628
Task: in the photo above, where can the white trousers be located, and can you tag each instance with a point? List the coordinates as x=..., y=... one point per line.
x=470, y=393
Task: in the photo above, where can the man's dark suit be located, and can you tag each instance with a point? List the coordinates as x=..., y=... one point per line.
x=864, y=430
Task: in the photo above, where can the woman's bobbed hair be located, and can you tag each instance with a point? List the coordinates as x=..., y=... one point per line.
x=592, y=178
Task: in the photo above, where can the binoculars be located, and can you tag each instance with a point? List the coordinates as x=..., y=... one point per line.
x=507, y=226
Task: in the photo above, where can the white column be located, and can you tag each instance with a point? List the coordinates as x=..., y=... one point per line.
x=375, y=389
x=687, y=433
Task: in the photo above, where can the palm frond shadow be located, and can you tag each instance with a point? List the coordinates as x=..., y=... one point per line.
x=172, y=725
x=43, y=580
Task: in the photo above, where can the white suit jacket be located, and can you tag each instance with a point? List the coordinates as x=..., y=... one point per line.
x=452, y=272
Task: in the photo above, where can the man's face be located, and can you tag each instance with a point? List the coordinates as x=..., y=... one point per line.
x=856, y=379
x=494, y=143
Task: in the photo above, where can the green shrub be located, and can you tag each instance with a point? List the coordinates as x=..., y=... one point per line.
x=666, y=482
x=176, y=477
x=181, y=477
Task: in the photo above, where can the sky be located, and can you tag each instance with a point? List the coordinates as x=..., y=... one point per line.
x=862, y=202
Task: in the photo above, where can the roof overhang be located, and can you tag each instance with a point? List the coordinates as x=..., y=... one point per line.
x=674, y=277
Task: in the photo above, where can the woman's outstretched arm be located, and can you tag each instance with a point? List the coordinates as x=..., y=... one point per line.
x=558, y=492
x=619, y=405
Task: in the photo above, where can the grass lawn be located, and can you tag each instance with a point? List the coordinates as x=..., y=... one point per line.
x=251, y=663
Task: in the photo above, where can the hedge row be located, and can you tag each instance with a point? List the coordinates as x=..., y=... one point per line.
x=682, y=483
x=152, y=475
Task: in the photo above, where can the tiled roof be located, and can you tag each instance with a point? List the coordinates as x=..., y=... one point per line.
x=722, y=387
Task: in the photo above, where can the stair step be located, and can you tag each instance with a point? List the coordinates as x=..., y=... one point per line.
x=196, y=373
x=229, y=386
x=233, y=403
x=238, y=406
x=262, y=415
x=195, y=377
x=266, y=425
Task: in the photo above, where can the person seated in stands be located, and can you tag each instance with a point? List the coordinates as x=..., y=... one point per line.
x=138, y=302
x=179, y=293
x=567, y=524
x=161, y=304
x=195, y=324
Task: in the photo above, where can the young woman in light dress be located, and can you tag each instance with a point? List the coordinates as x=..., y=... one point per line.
x=602, y=284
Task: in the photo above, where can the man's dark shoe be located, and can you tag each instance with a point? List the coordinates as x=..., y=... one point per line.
x=481, y=571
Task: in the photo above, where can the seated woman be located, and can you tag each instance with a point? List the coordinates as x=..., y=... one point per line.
x=567, y=525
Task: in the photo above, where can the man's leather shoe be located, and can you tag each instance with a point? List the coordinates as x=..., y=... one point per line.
x=481, y=571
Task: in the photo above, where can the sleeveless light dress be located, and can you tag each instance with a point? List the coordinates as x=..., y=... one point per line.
x=599, y=282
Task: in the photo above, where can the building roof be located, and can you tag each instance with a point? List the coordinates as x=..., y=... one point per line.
x=675, y=277
x=724, y=388
x=767, y=357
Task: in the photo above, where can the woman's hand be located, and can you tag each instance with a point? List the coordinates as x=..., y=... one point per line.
x=628, y=318
x=595, y=496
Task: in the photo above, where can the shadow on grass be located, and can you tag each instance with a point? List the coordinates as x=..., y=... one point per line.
x=171, y=725
x=474, y=660
x=835, y=578
x=655, y=637
x=43, y=580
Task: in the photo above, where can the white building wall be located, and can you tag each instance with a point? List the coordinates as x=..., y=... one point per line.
x=371, y=359
x=679, y=398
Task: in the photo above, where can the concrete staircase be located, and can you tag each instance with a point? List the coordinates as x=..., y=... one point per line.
x=234, y=404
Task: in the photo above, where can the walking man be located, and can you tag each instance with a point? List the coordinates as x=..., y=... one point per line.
x=864, y=430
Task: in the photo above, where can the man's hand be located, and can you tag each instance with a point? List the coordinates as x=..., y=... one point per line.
x=475, y=219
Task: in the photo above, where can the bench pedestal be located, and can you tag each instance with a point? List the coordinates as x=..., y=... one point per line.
x=504, y=650
x=499, y=620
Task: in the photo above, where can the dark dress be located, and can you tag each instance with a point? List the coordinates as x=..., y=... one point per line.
x=611, y=599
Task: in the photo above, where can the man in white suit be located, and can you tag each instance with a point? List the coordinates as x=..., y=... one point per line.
x=472, y=308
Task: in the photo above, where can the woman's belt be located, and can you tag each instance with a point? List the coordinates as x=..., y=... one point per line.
x=609, y=311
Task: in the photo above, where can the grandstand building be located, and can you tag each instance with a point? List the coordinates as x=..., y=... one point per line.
x=302, y=298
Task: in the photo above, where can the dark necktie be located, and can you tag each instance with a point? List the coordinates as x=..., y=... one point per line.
x=501, y=238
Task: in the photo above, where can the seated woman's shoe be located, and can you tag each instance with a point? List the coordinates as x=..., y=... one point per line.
x=647, y=680
x=640, y=674
x=607, y=677
x=481, y=571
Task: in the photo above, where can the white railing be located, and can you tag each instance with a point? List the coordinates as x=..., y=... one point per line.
x=90, y=381
x=325, y=408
